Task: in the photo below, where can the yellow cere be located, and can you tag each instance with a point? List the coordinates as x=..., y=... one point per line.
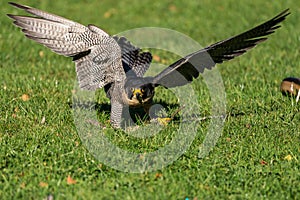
x=135, y=91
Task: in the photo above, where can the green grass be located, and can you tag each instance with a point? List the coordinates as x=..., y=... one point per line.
x=249, y=160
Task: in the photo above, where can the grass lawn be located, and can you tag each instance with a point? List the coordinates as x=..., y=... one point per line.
x=256, y=157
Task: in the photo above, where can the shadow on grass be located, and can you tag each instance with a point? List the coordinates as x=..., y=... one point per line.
x=137, y=114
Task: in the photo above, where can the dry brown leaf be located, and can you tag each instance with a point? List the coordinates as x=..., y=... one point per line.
x=16, y=109
x=43, y=184
x=158, y=175
x=25, y=97
x=70, y=180
x=248, y=126
x=262, y=162
x=156, y=58
x=173, y=8
x=23, y=185
x=109, y=13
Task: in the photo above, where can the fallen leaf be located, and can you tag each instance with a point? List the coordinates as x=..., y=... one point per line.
x=262, y=162
x=70, y=180
x=23, y=185
x=109, y=13
x=16, y=109
x=288, y=157
x=158, y=175
x=43, y=184
x=41, y=53
x=172, y=8
x=156, y=58
x=25, y=97
x=248, y=125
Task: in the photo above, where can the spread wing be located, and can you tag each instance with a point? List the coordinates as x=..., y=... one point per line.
x=184, y=70
x=135, y=62
x=96, y=54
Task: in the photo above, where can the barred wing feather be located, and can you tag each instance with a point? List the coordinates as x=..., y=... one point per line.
x=84, y=43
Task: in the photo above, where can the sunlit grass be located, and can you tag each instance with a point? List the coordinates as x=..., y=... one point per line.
x=257, y=157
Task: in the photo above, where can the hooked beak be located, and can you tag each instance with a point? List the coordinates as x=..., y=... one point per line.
x=138, y=94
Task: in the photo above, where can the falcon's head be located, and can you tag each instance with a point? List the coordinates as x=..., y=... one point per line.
x=138, y=91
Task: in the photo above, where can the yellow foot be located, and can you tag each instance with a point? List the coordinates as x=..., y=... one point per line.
x=163, y=121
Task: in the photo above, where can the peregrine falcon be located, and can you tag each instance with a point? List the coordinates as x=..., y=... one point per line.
x=113, y=63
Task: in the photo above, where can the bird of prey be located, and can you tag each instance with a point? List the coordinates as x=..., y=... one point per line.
x=113, y=63
x=291, y=86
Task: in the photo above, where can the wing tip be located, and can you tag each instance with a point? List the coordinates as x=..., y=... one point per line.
x=20, y=6
x=23, y=7
x=11, y=16
x=285, y=12
x=282, y=16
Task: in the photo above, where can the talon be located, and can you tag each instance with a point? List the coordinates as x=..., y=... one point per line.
x=164, y=121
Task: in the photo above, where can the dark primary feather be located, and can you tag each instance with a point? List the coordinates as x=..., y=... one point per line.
x=135, y=62
x=184, y=70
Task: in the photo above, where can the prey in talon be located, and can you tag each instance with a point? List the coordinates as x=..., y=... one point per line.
x=291, y=86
